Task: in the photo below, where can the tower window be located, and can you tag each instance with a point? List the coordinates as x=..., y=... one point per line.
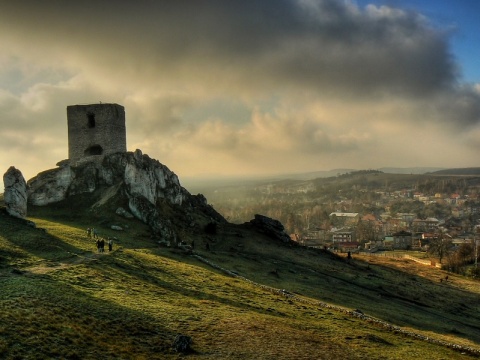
x=91, y=119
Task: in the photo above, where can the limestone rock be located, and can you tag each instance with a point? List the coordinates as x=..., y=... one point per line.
x=122, y=212
x=141, y=175
x=50, y=186
x=270, y=227
x=145, y=183
x=144, y=210
x=15, y=195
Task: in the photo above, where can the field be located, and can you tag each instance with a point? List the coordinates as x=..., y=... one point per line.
x=61, y=299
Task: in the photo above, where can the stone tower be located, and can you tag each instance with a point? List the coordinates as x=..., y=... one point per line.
x=95, y=129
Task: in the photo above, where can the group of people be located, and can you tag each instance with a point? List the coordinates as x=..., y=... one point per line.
x=92, y=232
x=100, y=242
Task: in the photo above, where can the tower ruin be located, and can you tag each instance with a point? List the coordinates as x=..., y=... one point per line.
x=95, y=129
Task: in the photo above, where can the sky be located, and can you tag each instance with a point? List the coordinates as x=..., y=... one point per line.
x=217, y=88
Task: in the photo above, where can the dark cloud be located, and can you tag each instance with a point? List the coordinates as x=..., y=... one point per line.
x=462, y=108
x=317, y=44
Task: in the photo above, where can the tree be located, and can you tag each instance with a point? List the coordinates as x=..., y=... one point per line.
x=365, y=231
x=460, y=258
x=439, y=247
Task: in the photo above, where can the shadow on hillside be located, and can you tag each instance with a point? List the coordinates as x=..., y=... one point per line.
x=53, y=319
x=38, y=243
x=407, y=299
x=389, y=294
x=386, y=293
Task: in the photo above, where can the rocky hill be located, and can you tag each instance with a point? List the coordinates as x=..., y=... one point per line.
x=132, y=182
x=242, y=296
x=127, y=185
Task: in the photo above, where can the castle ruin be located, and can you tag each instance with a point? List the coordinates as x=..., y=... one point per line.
x=95, y=129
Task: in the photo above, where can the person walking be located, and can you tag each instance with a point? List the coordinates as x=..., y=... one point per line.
x=102, y=245
x=110, y=244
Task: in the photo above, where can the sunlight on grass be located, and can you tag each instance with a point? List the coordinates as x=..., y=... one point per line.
x=64, y=300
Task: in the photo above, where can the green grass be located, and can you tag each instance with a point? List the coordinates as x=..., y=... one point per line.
x=61, y=299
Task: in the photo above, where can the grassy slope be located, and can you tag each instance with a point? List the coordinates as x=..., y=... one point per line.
x=59, y=299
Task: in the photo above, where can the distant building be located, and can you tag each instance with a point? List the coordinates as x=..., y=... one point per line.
x=369, y=218
x=347, y=246
x=296, y=238
x=345, y=218
x=402, y=240
x=425, y=224
x=341, y=236
x=388, y=242
x=314, y=237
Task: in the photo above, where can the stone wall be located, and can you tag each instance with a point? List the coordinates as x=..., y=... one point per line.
x=95, y=129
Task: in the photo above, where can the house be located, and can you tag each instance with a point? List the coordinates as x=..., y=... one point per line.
x=369, y=218
x=314, y=237
x=425, y=224
x=374, y=245
x=344, y=218
x=405, y=219
x=402, y=240
x=417, y=195
x=296, y=238
x=417, y=241
x=455, y=197
x=458, y=241
x=388, y=242
x=347, y=246
x=341, y=236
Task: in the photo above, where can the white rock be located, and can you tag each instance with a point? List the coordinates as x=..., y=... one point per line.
x=50, y=186
x=15, y=195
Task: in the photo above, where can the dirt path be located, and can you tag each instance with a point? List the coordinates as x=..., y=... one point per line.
x=45, y=266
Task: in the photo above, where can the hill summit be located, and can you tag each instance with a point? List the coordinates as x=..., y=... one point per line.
x=129, y=183
x=132, y=184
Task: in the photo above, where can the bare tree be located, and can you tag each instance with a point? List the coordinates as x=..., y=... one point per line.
x=440, y=246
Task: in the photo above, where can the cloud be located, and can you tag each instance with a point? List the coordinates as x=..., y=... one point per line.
x=462, y=107
x=237, y=87
x=260, y=44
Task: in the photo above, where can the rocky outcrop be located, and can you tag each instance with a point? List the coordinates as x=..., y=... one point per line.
x=50, y=186
x=124, y=213
x=15, y=195
x=141, y=175
x=270, y=227
x=144, y=210
x=146, y=184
